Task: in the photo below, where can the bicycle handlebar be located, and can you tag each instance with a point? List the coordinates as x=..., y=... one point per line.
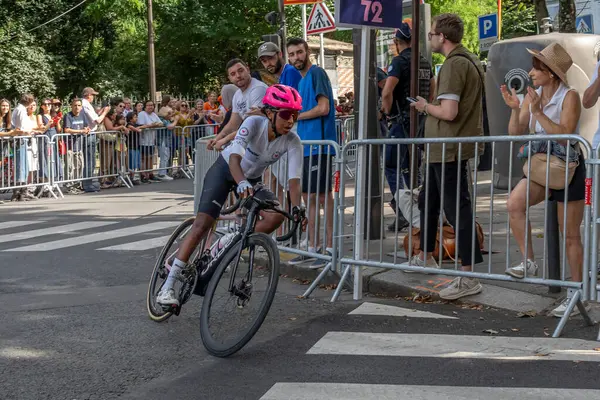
x=267, y=205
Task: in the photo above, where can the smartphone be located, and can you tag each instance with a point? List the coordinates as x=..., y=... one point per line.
x=412, y=99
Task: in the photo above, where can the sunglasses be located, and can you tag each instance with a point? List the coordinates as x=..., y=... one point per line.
x=287, y=114
x=47, y=104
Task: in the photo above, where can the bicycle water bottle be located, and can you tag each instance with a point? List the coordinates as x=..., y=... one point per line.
x=221, y=244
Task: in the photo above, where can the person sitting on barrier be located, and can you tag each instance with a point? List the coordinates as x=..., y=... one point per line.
x=552, y=108
x=249, y=95
x=259, y=143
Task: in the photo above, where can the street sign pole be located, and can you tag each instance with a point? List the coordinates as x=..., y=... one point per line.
x=359, y=238
x=376, y=14
x=304, y=35
x=321, y=51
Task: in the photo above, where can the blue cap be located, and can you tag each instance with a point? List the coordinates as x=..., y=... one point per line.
x=403, y=32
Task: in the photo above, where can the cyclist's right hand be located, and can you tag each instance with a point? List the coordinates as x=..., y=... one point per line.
x=211, y=143
x=244, y=189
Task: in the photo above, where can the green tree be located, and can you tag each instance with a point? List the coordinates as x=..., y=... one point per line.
x=518, y=18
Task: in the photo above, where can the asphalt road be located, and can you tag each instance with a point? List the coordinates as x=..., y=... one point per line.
x=74, y=325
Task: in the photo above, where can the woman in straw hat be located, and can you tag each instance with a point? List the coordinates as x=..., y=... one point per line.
x=552, y=108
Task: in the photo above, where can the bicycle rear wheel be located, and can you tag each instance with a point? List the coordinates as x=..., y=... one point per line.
x=250, y=304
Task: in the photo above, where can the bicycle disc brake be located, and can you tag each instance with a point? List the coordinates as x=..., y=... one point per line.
x=243, y=292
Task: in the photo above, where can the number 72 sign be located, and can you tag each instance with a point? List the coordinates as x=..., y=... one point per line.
x=375, y=13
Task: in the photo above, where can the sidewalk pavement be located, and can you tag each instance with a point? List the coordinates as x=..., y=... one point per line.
x=498, y=254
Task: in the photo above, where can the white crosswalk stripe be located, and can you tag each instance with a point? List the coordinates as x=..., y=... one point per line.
x=95, y=237
x=11, y=237
x=420, y=345
x=455, y=346
x=355, y=391
x=393, y=311
x=146, y=244
x=13, y=224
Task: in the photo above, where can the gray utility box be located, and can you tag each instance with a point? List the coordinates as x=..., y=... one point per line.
x=509, y=63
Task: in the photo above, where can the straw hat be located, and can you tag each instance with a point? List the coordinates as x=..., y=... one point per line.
x=555, y=57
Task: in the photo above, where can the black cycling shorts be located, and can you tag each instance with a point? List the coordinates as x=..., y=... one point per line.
x=218, y=183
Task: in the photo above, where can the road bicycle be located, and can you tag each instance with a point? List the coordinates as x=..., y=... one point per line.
x=226, y=271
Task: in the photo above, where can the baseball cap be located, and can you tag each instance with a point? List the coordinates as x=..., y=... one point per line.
x=268, y=49
x=88, y=90
x=403, y=32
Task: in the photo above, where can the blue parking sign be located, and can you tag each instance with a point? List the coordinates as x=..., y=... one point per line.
x=488, y=27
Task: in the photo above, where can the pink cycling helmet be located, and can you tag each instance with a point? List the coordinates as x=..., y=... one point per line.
x=283, y=97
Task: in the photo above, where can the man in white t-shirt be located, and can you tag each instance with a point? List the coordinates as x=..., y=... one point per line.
x=89, y=155
x=590, y=97
x=249, y=95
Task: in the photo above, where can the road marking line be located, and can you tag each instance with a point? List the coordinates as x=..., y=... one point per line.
x=456, y=346
x=11, y=237
x=360, y=391
x=146, y=244
x=13, y=224
x=97, y=237
x=394, y=311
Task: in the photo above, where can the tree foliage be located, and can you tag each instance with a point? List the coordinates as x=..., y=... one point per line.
x=103, y=43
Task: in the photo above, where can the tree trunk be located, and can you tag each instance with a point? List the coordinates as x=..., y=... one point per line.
x=541, y=11
x=566, y=16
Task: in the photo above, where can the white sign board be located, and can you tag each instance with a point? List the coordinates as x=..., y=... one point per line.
x=320, y=20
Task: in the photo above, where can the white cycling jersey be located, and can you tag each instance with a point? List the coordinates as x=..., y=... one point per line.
x=252, y=143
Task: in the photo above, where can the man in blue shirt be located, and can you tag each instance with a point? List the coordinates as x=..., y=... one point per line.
x=271, y=57
x=316, y=121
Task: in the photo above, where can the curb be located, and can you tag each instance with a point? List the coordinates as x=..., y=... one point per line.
x=394, y=283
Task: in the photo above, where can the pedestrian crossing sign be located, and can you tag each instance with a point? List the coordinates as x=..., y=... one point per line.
x=585, y=24
x=320, y=20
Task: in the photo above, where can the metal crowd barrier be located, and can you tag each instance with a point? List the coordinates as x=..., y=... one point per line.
x=320, y=205
x=366, y=210
x=189, y=136
x=594, y=268
x=26, y=163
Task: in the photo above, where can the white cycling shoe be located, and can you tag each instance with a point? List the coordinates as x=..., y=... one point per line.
x=167, y=297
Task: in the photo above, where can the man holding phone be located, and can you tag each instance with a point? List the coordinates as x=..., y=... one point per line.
x=396, y=106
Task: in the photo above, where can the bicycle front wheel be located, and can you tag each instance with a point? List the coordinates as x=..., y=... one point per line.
x=230, y=318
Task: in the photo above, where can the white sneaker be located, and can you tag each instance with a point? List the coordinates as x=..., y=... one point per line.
x=461, y=287
x=417, y=262
x=519, y=270
x=559, y=311
x=164, y=178
x=166, y=297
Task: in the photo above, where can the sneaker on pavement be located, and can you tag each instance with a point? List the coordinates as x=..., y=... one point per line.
x=164, y=178
x=417, y=262
x=319, y=263
x=519, y=270
x=166, y=297
x=461, y=287
x=559, y=311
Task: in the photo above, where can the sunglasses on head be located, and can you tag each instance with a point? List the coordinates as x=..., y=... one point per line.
x=287, y=114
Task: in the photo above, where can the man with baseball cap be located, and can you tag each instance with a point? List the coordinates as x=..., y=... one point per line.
x=271, y=57
x=397, y=108
x=93, y=120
